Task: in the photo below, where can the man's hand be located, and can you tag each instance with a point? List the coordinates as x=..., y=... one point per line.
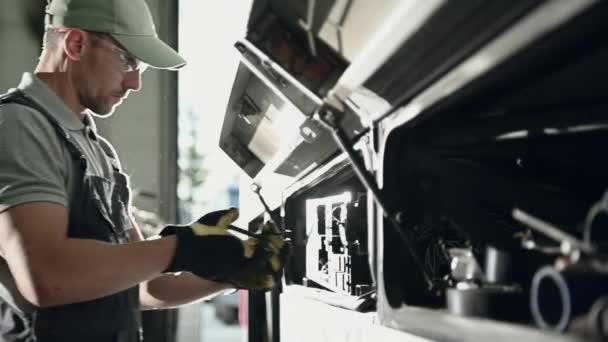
x=207, y=249
x=260, y=271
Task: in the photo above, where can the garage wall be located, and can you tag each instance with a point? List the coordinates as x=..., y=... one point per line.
x=143, y=129
x=19, y=47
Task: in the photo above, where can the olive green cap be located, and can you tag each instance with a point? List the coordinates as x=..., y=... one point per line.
x=128, y=21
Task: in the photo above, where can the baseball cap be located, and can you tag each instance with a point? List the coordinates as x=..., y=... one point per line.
x=128, y=21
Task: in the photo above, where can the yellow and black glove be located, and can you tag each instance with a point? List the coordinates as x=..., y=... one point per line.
x=207, y=249
x=262, y=270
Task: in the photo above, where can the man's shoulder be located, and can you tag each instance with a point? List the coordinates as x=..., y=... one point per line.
x=19, y=116
x=25, y=128
x=33, y=160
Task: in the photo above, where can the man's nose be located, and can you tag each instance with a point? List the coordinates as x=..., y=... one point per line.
x=133, y=80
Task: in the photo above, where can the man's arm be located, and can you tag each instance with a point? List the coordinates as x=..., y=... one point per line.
x=171, y=290
x=51, y=269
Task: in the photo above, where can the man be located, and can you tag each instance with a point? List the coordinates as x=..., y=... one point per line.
x=73, y=264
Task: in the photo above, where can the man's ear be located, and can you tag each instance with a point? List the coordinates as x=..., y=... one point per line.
x=75, y=44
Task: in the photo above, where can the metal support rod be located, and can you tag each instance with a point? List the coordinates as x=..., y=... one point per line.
x=256, y=189
x=551, y=231
x=328, y=117
x=308, y=26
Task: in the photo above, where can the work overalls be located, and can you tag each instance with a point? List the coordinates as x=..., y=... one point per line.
x=98, y=211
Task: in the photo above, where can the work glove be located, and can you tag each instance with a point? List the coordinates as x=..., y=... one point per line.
x=263, y=269
x=207, y=249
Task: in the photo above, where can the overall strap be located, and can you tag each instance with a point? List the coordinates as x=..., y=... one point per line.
x=109, y=151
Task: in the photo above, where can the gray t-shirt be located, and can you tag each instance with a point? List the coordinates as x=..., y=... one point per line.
x=35, y=163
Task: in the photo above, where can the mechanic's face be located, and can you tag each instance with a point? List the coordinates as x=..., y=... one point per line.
x=109, y=74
